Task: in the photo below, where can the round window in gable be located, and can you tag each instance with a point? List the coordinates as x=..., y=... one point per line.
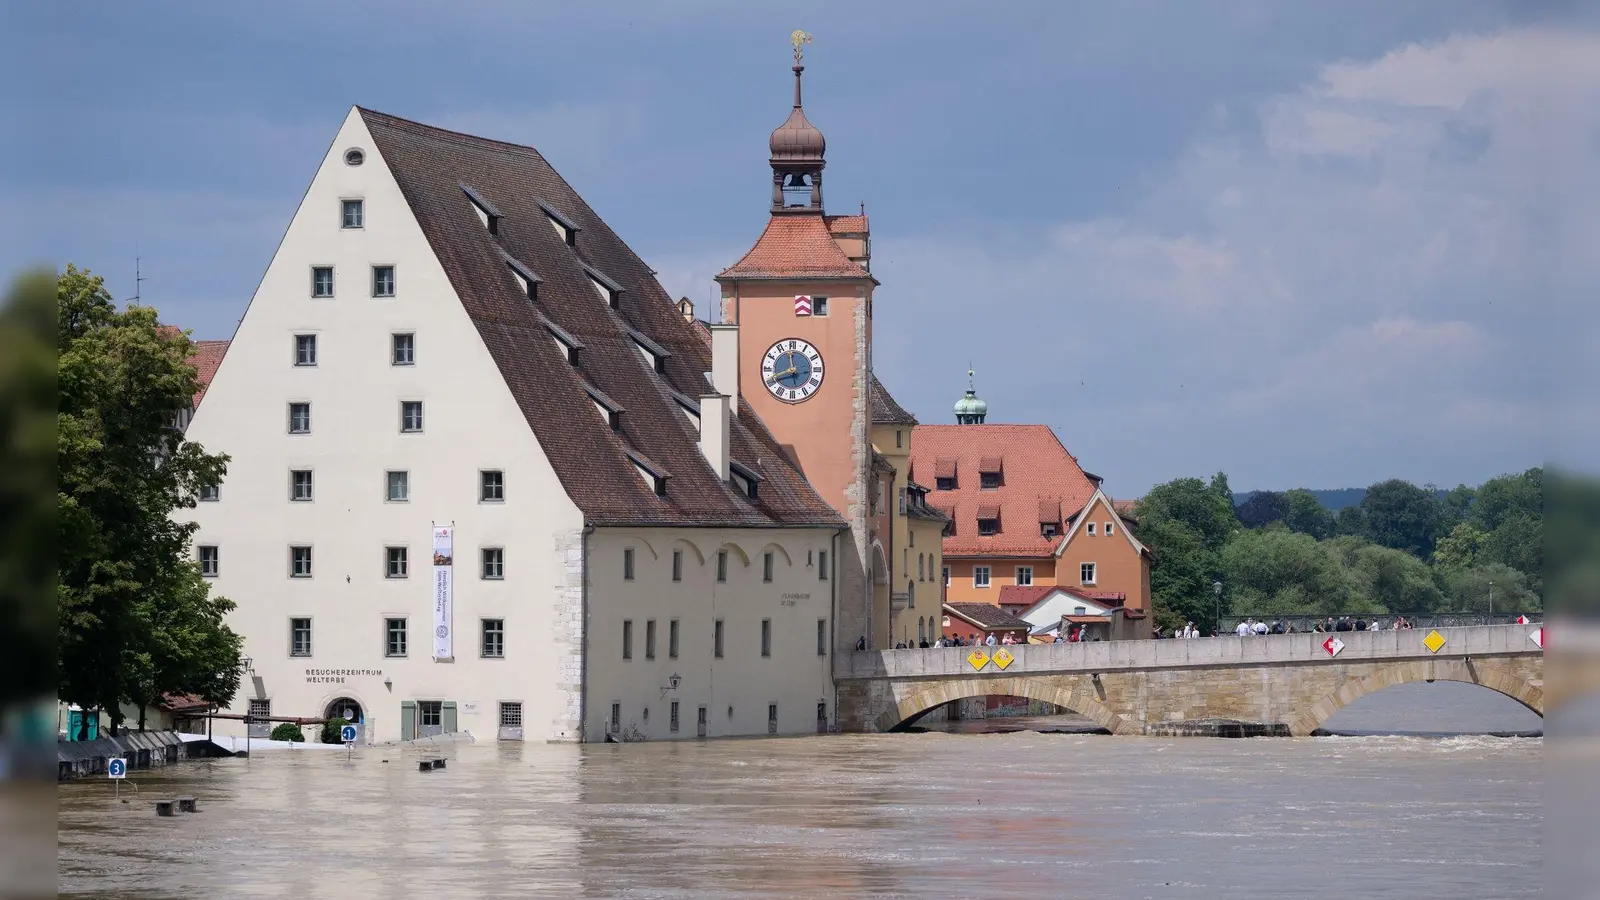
x=354, y=157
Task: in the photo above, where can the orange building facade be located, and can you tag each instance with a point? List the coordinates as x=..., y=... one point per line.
x=1023, y=512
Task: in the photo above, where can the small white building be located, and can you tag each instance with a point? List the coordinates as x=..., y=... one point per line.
x=485, y=478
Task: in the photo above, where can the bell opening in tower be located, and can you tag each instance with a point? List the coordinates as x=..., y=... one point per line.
x=796, y=191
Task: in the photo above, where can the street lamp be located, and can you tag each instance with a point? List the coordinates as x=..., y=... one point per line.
x=1491, y=601
x=1216, y=587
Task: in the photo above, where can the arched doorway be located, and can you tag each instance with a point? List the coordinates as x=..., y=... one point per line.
x=345, y=708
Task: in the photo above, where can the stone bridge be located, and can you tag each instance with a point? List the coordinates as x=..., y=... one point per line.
x=1129, y=687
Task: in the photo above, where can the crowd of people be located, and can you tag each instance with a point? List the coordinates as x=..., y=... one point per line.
x=1253, y=626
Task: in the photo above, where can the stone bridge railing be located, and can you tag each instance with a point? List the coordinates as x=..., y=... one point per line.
x=1228, y=650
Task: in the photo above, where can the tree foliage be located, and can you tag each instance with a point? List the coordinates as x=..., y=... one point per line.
x=1306, y=515
x=287, y=731
x=135, y=618
x=1263, y=508
x=1400, y=515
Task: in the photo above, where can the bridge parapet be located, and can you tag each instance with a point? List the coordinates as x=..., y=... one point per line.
x=1228, y=650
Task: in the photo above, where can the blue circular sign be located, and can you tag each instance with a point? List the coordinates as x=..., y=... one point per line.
x=347, y=734
x=117, y=768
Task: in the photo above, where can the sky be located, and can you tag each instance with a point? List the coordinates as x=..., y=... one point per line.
x=1313, y=245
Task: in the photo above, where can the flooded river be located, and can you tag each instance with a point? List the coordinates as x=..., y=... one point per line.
x=937, y=814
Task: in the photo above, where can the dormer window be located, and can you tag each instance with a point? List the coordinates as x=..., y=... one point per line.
x=691, y=409
x=566, y=343
x=654, y=355
x=526, y=278
x=609, y=290
x=1049, y=529
x=990, y=473
x=565, y=227
x=988, y=520
x=654, y=477
x=487, y=213
x=944, y=474
x=944, y=484
x=746, y=481
x=988, y=481
x=609, y=410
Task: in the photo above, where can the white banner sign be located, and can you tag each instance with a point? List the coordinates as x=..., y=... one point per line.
x=443, y=645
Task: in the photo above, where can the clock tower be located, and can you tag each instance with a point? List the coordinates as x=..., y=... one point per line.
x=801, y=300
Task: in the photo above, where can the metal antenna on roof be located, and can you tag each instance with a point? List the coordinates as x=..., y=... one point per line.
x=137, y=277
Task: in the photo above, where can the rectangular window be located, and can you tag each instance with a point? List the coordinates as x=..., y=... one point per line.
x=766, y=567
x=980, y=576
x=766, y=637
x=716, y=640
x=494, y=563
x=819, y=305
x=397, y=486
x=395, y=564
x=772, y=718
x=394, y=631
x=403, y=349
x=383, y=281
x=210, y=493
x=494, y=638
x=822, y=637
x=300, y=485
x=510, y=715
x=900, y=500
x=1024, y=575
x=410, y=416
x=1086, y=573
x=299, y=637
x=722, y=565
x=649, y=638
x=988, y=481
x=322, y=281
x=944, y=484
x=1109, y=526
x=627, y=563
x=822, y=565
x=430, y=715
x=627, y=639
x=305, y=349
x=299, y=562
x=672, y=639
x=354, y=214
x=210, y=560
x=491, y=486
x=677, y=565
x=1048, y=529
x=260, y=709
x=899, y=441
x=1090, y=527
x=988, y=527
x=946, y=576
x=672, y=717
x=299, y=418
x=616, y=717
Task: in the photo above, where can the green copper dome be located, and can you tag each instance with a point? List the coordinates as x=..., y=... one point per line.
x=971, y=410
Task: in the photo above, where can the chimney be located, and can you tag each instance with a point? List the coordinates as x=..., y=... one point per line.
x=714, y=424
x=725, y=362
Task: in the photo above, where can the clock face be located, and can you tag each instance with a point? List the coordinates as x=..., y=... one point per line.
x=792, y=370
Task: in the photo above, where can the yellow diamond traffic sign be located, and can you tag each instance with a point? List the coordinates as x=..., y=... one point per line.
x=978, y=659
x=1433, y=641
x=1002, y=658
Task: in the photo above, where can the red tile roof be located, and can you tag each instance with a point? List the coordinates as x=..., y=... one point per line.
x=795, y=245
x=885, y=411
x=847, y=224
x=1038, y=474
x=987, y=616
x=594, y=463
x=1028, y=595
x=207, y=356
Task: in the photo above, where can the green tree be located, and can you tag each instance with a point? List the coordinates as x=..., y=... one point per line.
x=1307, y=515
x=1467, y=590
x=1262, y=508
x=1454, y=507
x=1508, y=496
x=1180, y=574
x=1400, y=515
x=287, y=731
x=1352, y=521
x=1386, y=580
x=1459, y=549
x=1274, y=571
x=1518, y=542
x=27, y=491
x=134, y=617
x=1205, y=509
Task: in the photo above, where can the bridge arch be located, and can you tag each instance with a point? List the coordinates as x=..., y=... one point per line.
x=921, y=701
x=1462, y=670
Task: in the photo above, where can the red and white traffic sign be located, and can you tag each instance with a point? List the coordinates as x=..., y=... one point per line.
x=1537, y=637
x=1522, y=620
x=1333, y=645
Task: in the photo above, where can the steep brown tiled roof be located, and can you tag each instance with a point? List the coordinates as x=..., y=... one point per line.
x=1036, y=468
x=207, y=356
x=885, y=411
x=987, y=616
x=795, y=245
x=846, y=224
x=594, y=463
x=1029, y=594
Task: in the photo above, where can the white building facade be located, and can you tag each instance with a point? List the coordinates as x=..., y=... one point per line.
x=450, y=346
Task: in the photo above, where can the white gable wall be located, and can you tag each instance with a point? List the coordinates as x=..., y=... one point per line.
x=471, y=423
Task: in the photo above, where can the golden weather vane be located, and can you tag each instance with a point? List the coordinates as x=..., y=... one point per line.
x=799, y=39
